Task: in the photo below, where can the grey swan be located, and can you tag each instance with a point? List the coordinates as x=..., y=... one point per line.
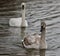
x=36, y=41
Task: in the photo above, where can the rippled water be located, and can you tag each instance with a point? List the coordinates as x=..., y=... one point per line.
x=10, y=37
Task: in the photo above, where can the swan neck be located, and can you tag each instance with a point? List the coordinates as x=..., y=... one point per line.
x=43, y=35
x=23, y=14
x=23, y=18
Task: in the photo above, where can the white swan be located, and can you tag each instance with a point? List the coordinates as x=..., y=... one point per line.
x=36, y=41
x=19, y=22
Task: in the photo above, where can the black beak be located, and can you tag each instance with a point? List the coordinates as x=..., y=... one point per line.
x=41, y=29
x=23, y=7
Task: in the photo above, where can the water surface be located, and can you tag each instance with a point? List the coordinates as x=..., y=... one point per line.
x=10, y=37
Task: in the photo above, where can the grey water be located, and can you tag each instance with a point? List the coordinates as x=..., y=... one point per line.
x=11, y=37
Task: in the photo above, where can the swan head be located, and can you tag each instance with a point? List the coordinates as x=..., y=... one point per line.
x=43, y=26
x=23, y=5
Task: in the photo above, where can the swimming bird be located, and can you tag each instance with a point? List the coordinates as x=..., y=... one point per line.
x=36, y=41
x=19, y=22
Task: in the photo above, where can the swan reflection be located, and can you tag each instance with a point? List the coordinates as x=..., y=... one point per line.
x=40, y=52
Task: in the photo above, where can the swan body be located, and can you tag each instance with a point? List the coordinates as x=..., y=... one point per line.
x=32, y=41
x=36, y=41
x=19, y=22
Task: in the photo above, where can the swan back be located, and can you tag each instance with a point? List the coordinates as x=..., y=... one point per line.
x=15, y=22
x=32, y=41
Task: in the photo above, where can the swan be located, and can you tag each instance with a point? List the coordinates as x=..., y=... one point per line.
x=19, y=22
x=36, y=41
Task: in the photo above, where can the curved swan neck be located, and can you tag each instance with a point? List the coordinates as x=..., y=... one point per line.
x=43, y=30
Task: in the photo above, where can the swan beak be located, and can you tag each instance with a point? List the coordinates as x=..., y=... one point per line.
x=41, y=29
x=23, y=7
